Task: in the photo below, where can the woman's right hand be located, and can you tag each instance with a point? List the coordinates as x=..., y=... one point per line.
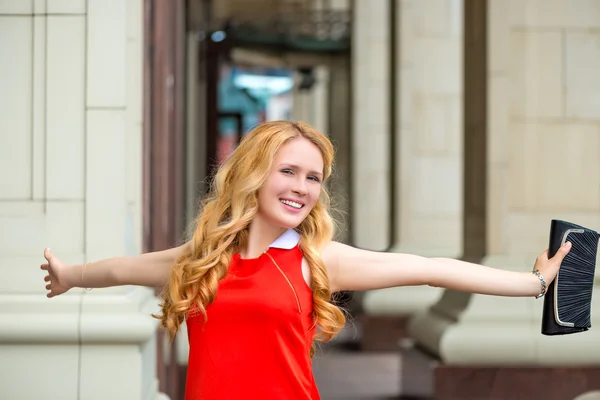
x=57, y=275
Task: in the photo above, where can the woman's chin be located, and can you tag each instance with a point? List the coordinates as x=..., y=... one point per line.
x=290, y=222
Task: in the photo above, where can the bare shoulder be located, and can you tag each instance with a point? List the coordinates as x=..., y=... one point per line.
x=330, y=254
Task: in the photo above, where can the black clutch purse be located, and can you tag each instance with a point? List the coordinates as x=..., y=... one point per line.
x=568, y=300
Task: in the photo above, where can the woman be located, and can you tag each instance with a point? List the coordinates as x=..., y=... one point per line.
x=254, y=283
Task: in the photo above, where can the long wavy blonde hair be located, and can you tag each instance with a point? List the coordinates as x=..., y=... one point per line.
x=222, y=229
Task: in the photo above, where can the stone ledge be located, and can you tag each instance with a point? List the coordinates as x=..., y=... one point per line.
x=112, y=318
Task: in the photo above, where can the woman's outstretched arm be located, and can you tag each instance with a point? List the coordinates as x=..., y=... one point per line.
x=355, y=269
x=149, y=269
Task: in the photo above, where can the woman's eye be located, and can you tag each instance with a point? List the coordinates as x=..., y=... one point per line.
x=314, y=178
x=287, y=171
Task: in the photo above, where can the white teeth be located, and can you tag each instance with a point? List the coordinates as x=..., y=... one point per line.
x=291, y=203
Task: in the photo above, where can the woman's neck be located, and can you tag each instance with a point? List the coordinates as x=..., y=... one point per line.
x=260, y=237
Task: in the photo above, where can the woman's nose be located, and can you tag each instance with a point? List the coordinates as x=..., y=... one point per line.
x=299, y=186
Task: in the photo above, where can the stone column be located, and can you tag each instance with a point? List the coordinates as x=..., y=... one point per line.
x=428, y=164
x=311, y=105
x=339, y=131
x=371, y=176
x=70, y=162
x=300, y=100
x=543, y=152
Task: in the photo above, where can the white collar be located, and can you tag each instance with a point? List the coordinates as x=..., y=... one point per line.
x=288, y=240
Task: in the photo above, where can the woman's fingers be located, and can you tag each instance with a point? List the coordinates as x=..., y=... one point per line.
x=47, y=254
x=561, y=253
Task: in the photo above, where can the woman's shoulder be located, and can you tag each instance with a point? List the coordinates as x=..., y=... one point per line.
x=330, y=252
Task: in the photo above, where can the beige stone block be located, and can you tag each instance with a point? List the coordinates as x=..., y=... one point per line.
x=319, y=97
x=360, y=28
x=377, y=18
x=26, y=277
x=529, y=230
x=555, y=167
x=19, y=7
x=25, y=221
x=406, y=32
x=379, y=63
x=403, y=164
x=536, y=73
x=40, y=361
x=370, y=77
x=106, y=57
x=367, y=71
x=36, y=225
x=436, y=186
x=371, y=176
x=21, y=239
x=373, y=152
x=105, y=211
x=555, y=13
x=439, y=18
x=376, y=109
x=499, y=58
x=371, y=105
x=373, y=26
x=16, y=107
x=135, y=20
x=94, y=358
x=568, y=167
x=371, y=220
x=65, y=227
x=438, y=66
x=134, y=101
x=582, y=77
x=522, y=166
x=39, y=108
x=438, y=122
x=65, y=99
x=497, y=209
x=442, y=232
x=405, y=91
x=66, y=6
x=133, y=136
x=39, y=7
x=133, y=240
x=498, y=119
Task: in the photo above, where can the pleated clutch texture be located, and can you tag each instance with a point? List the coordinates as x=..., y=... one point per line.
x=568, y=300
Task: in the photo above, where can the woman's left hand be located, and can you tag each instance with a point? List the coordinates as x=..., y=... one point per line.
x=549, y=267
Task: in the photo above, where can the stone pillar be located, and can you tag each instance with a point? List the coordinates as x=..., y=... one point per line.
x=300, y=100
x=428, y=164
x=371, y=187
x=543, y=152
x=311, y=105
x=339, y=131
x=70, y=179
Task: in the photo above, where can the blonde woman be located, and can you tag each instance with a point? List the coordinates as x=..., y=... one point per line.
x=254, y=283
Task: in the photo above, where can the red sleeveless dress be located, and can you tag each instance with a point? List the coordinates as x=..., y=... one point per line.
x=256, y=341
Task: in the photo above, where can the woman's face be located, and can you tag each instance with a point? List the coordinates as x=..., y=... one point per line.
x=293, y=186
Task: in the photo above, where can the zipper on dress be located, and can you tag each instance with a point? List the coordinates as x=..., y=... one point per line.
x=288, y=281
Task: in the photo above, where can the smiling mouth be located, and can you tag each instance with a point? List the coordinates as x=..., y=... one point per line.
x=292, y=203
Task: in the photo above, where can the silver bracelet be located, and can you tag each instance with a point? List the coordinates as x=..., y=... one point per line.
x=542, y=281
